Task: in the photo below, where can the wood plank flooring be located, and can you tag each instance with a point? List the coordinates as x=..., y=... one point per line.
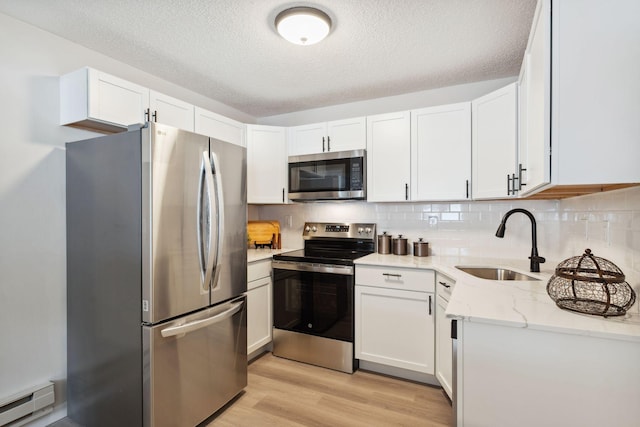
x=285, y=393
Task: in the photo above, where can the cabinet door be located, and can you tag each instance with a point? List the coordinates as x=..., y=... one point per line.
x=444, y=359
x=388, y=157
x=266, y=164
x=441, y=152
x=494, y=142
x=259, y=323
x=534, y=142
x=93, y=99
x=219, y=127
x=308, y=139
x=171, y=111
x=345, y=135
x=395, y=328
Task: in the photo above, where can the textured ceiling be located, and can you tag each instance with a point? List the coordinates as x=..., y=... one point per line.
x=229, y=51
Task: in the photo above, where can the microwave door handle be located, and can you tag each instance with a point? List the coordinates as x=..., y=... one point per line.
x=199, y=324
x=219, y=213
x=205, y=219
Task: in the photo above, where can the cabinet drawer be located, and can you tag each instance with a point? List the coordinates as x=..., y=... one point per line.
x=258, y=283
x=259, y=269
x=444, y=286
x=407, y=279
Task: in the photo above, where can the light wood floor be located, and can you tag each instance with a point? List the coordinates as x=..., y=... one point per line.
x=287, y=393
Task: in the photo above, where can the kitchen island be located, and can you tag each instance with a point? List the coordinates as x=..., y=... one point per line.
x=523, y=361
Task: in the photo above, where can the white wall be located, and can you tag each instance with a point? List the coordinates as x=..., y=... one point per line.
x=390, y=104
x=607, y=223
x=32, y=199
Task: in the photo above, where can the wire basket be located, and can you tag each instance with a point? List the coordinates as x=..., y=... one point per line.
x=591, y=285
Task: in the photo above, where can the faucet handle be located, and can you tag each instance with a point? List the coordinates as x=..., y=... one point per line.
x=538, y=259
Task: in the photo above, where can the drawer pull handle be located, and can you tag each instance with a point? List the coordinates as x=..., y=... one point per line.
x=392, y=275
x=445, y=285
x=429, y=305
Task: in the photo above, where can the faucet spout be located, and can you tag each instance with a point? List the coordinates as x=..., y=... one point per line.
x=536, y=259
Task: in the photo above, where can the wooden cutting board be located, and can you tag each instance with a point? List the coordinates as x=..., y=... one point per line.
x=264, y=233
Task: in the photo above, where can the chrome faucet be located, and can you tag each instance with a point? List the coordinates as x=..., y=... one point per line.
x=536, y=260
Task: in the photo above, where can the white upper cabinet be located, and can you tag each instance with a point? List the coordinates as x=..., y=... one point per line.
x=348, y=134
x=388, y=157
x=441, y=152
x=494, y=143
x=170, y=111
x=534, y=143
x=580, y=96
x=219, y=127
x=92, y=99
x=339, y=135
x=307, y=139
x=266, y=164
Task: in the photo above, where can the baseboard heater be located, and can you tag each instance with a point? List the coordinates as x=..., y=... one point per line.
x=26, y=406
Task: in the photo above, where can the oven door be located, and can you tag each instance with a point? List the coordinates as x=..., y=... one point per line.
x=313, y=299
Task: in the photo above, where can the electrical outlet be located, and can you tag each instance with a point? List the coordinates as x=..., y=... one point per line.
x=288, y=220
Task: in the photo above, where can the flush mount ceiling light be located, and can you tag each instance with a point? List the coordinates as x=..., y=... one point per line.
x=303, y=25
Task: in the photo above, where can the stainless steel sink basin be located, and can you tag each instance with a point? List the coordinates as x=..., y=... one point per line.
x=495, y=273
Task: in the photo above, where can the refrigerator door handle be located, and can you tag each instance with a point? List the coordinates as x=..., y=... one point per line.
x=219, y=209
x=205, y=220
x=203, y=323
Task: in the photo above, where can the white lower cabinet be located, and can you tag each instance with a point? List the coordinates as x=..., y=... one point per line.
x=444, y=361
x=395, y=317
x=259, y=317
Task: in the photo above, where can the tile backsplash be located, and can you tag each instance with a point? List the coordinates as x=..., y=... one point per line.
x=608, y=223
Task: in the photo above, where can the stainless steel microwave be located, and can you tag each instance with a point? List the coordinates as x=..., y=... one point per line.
x=337, y=175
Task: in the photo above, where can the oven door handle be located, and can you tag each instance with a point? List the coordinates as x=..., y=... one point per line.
x=313, y=268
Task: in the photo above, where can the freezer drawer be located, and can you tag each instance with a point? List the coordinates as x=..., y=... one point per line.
x=194, y=365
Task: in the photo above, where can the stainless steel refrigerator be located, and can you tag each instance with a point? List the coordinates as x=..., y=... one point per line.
x=156, y=275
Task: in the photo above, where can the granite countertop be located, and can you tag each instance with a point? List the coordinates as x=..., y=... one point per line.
x=520, y=304
x=254, y=255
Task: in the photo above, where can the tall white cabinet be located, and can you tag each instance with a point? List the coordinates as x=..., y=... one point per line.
x=494, y=143
x=388, y=157
x=266, y=164
x=441, y=152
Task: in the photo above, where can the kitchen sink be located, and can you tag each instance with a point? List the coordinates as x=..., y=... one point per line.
x=495, y=273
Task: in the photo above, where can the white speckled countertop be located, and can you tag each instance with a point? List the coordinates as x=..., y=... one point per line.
x=521, y=304
x=254, y=255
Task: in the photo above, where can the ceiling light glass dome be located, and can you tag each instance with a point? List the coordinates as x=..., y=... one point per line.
x=303, y=25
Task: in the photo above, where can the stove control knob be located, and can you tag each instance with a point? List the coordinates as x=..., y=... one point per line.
x=307, y=229
x=360, y=230
x=314, y=228
x=367, y=230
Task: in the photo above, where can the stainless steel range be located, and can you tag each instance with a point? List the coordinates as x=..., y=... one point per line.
x=313, y=294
